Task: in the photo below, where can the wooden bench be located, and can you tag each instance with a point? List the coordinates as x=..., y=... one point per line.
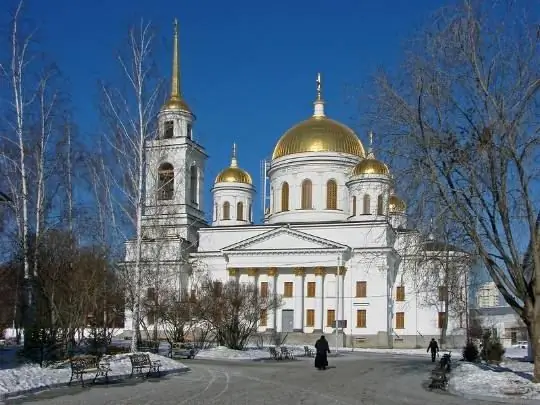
x=275, y=354
x=308, y=352
x=88, y=365
x=179, y=349
x=286, y=353
x=141, y=361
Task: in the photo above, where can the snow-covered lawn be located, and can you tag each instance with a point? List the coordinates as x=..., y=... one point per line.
x=409, y=352
x=224, y=353
x=18, y=380
x=512, y=379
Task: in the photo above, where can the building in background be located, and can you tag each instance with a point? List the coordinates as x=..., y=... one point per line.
x=488, y=296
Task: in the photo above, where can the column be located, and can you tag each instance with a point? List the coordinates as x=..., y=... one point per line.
x=272, y=280
x=253, y=273
x=299, y=274
x=234, y=274
x=319, y=293
x=341, y=285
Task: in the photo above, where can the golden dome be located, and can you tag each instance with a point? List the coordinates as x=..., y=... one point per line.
x=396, y=204
x=319, y=134
x=233, y=174
x=176, y=104
x=371, y=166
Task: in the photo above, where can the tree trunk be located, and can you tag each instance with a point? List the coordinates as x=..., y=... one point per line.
x=536, y=333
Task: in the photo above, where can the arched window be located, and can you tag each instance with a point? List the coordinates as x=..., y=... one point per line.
x=367, y=205
x=168, y=130
x=240, y=211
x=272, y=205
x=380, y=206
x=165, y=182
x=226, y=210
x=331, y=195
x=285, y=196
x=250, y=212
x=193, y=185
x=354, y=206
x=215, y=211
x=307, y=195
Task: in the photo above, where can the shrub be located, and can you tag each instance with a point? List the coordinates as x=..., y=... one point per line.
x=470, y=352
x=492, y=349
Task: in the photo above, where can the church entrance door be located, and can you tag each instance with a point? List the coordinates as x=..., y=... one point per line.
x=287, y=320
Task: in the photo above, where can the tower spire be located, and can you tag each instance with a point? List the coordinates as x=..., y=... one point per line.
x=175, y=101
x=318, y=110
x=371, y=154
x=234, y=161
x=175, y=79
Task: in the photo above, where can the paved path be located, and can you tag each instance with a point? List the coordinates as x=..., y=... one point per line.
x=354, y=379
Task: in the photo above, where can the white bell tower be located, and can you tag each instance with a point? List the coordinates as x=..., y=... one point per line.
x=175, y=168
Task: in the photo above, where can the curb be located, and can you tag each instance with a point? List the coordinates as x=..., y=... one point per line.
x=117, y=377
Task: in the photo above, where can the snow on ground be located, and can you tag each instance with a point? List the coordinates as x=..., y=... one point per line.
x=251, y=353
x=409, y=352
x=512, y=379
x=29, y=378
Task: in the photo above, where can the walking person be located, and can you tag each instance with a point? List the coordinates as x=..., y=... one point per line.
x=434, y=347
x=322, y=347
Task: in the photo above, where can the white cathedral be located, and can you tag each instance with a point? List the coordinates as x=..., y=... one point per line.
x=333, y=242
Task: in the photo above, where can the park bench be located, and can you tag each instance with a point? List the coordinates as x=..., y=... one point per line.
x=88, y=365
x=308, y=352
x=179, y=349
x=286, y=353
x=141, y=361
x=274, y=353
x=148, y=346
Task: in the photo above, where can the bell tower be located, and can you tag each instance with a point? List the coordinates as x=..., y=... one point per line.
x=175, y=167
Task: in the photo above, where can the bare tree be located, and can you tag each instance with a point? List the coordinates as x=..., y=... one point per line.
x=130, y=114
x=462, y=118
x=234, y=310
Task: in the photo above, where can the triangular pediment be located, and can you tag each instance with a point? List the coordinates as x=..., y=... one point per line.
x=284, y=239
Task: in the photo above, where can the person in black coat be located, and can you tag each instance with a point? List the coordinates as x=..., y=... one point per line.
x=434, y=347
x=322, y=348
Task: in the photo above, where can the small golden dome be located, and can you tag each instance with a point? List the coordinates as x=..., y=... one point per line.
x=319, y=134
x=233, y=174
x=371, y=166
x=176, y=104
x=396, y=204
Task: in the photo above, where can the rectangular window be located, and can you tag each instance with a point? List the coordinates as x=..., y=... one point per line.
x=361, y=320
x=400, y=320
x=288, y=289
x=150, y=318
x=151, y=294
x=310, y=318
x=263, y=319
x=443, y=292
x=441, y=320
x=330, y=318
x=361, y=289
x=400, y=293
x=169, y=129
x=311, y=289
x=264, y=289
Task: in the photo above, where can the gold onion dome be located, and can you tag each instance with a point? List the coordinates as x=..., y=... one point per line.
x=319, y=134
x=396, y=204
x=234, y=174
x=175, y=102
x=370, y=165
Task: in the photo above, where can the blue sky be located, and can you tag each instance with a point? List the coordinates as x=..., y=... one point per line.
x=248, y=68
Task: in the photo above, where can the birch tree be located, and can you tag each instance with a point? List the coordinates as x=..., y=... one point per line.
x=130, y=112
x=462, y=117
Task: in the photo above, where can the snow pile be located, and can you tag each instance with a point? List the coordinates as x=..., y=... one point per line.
x=224, y=353
x=30, y=378
x=408, y=352
x=509, y=380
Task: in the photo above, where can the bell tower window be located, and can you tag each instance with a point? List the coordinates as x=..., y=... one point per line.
x=189, y=130
x=168, y=130
x=193, y=184
x=165, y=182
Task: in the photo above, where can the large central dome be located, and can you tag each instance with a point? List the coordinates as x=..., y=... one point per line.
x=319, y=134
